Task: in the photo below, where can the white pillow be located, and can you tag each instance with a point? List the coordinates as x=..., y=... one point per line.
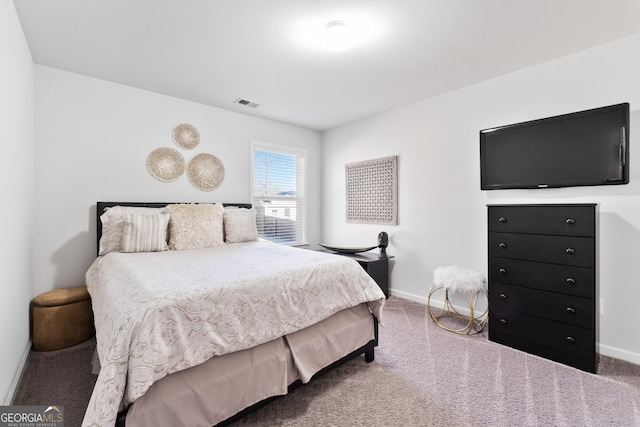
x=240, y=225
x=195, y=226
x=113, y=225
x=145, y=233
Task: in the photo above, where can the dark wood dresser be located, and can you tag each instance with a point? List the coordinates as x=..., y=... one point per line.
x=542, y=280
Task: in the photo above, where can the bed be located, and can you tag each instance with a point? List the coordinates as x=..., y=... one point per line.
x=199, y=322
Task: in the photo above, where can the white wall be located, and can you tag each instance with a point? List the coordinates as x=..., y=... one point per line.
x=442, y=211
x=16, y=174
x=92, y=141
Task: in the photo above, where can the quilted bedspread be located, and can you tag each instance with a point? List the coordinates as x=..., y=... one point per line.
x=162, y=312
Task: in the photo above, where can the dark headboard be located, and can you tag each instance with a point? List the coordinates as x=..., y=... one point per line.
x=101, y=206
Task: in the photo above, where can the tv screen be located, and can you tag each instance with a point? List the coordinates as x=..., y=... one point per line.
x=585, y=148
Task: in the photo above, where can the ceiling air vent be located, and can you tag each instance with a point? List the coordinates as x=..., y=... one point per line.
x=247, y=103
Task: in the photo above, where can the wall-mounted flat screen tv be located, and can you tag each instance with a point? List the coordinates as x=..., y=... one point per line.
x=585, y=148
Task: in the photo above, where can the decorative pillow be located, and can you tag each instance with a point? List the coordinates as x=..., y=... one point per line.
x=145, y=233
x=240, y=225
x=113, y=225
x=195, y=226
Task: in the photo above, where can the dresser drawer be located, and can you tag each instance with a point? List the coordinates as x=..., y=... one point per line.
x=554, y=340
x=564, y=279
x=565, y=250
x=569, y=309
x=543, y=219
x=543, y=279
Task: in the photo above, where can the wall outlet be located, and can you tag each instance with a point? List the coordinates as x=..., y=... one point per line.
x=601, y=306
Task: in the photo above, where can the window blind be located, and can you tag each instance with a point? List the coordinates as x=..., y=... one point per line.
x=279, y=176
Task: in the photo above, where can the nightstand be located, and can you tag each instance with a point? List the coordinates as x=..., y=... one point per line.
x=378, y=268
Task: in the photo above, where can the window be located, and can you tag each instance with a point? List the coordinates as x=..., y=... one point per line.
x=279, y=176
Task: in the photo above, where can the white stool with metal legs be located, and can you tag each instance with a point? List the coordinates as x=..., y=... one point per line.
x=468, y=285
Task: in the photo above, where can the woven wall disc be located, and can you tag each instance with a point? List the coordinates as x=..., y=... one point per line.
x=165, y=164
x=186, y=136
x=205, y=172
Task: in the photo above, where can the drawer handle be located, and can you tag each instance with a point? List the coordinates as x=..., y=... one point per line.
x=503, y=271
x=571, y=281
x=503, y=296
x=570, y=251
x=502, y=219
x=571, y=310
x=571, y=339
x=502, y=245
x=571, y=221
x=503, y=321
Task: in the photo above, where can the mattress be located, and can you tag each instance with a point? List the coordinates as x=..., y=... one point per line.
x=165, y=312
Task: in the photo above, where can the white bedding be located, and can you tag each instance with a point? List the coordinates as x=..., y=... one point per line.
x=163, y=312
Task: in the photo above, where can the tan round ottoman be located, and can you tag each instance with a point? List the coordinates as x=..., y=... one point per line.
x=61, y=318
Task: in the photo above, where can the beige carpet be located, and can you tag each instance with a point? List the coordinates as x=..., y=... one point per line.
x=425, y=376
x=422, y=376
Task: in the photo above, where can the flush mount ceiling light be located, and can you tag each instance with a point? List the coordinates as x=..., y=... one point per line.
x=326, y=33
x=338, y=36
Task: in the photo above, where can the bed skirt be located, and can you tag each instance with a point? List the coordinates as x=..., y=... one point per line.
x=224, y=386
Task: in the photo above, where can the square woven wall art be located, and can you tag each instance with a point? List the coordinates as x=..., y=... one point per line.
x=372, y=191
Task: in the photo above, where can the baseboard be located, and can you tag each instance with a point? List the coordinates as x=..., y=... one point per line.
x=410, y=297
x=462, y=309
x=618, y=353
x=603, y=349
x=18, y=377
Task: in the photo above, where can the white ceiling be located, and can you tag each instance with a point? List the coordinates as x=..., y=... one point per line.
x=216, y=51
